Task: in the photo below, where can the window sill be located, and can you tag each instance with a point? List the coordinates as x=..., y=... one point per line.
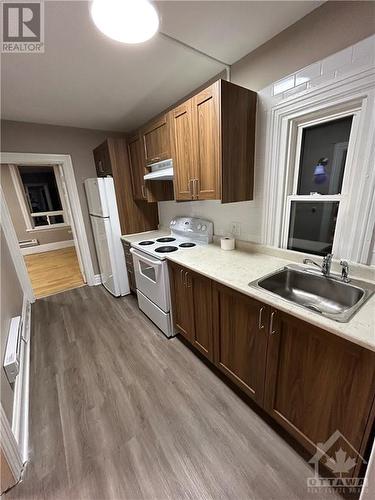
x=47, y=228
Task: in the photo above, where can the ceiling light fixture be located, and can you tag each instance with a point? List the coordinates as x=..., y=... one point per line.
x=127, y=21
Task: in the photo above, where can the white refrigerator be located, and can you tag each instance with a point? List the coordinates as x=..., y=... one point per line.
x=105, y=224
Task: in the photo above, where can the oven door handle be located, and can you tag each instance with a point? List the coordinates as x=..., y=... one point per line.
x=145, y=259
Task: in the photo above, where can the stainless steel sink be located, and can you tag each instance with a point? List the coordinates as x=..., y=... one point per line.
x=328, y=296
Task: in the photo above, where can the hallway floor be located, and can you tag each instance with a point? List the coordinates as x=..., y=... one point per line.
x=118, y=411
x=54, y=271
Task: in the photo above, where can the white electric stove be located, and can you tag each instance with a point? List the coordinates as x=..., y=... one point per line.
x=151, y=270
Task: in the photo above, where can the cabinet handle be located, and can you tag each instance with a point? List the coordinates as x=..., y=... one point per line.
x=187, y=280
x=182, y=276
x=272, y=331
x=196, y=184
x=260, y=322
x=191, y=187
x=143, y=189
x=100, y=164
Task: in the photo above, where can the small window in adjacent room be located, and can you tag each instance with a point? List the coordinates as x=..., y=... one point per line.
x=313, y=205
x=42, y=195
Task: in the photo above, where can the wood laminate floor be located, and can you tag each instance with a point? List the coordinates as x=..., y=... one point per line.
x=118, y=411
x=53, y=272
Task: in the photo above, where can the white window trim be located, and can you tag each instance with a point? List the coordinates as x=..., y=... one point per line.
x=354, y=92
x=292, y=174
x=27, y=214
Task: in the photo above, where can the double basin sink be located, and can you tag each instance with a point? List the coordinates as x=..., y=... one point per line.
x=328, y=296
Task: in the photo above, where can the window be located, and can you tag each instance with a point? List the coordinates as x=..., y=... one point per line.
x=313, y=205
x=41, y=194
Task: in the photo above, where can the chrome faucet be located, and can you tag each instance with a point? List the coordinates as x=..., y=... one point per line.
x=344, y=271
x=326, y=264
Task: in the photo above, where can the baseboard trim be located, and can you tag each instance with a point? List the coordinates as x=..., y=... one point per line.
x=97, y=280
x=47, y=247
x=20, y=419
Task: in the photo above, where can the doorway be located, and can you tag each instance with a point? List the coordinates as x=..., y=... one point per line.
x=42, y=198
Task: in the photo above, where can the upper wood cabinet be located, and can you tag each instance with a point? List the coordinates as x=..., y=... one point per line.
x=137, y=167
x=318, y=383
x=240, y=333
x=212, y=144
x=102, y=160
x=156, y=140
x=134, y=216
x=183, y=153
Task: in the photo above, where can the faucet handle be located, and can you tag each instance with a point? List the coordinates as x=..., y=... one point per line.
x=344, y=270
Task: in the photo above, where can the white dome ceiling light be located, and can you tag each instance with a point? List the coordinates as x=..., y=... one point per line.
x=127, y=21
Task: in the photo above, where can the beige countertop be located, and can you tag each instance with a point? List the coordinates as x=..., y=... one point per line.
x=237, y=268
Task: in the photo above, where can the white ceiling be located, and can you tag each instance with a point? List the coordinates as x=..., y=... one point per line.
x=86, y=80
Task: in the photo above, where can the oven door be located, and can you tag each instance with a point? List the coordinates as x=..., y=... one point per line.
x=151, y=277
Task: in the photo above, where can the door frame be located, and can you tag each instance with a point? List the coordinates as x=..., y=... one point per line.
x=77, y=222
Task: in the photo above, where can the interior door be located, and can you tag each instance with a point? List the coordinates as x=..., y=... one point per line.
x=206, y=126
x=101, y=228
x=241, y=335
x=182, y=151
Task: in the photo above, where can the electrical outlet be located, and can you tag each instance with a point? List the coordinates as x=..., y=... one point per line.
x=235, y=229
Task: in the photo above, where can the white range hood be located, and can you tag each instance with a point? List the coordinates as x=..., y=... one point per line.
x=160, y=171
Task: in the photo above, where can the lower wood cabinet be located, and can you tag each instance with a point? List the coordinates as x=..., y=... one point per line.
x=129, y=266
x=192, y=307
x=240, y=335
x=315, y=384
x=318, y=383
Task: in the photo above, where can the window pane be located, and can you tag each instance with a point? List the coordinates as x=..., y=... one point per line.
x=40, y=221
x=40, y=188
x=312, y=226
x=323, y=156
x=56, y=219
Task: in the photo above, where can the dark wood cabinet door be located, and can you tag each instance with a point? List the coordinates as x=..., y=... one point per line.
x=182, y=151
x=156, y=140
x=102, y=160
x=182, y=301
x=206, y=126
x=318, y=383
x=240, y=336
x=202, y=334
x=137, y=167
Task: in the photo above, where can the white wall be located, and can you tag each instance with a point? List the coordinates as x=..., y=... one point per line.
x=249, y=214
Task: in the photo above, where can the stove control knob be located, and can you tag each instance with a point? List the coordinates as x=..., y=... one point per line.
x=198, y=227
x=204, y=227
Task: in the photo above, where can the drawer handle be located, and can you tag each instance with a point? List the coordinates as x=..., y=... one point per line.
x=273, y=332
x=196, y=188
x=260, y=320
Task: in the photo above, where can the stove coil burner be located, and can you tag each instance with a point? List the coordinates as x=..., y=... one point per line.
x=146, y=242
x=166, y=240
x=187, y=245
x=166, y=249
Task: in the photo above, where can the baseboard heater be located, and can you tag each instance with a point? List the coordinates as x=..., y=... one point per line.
x=28, y=243
x=13, y=348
